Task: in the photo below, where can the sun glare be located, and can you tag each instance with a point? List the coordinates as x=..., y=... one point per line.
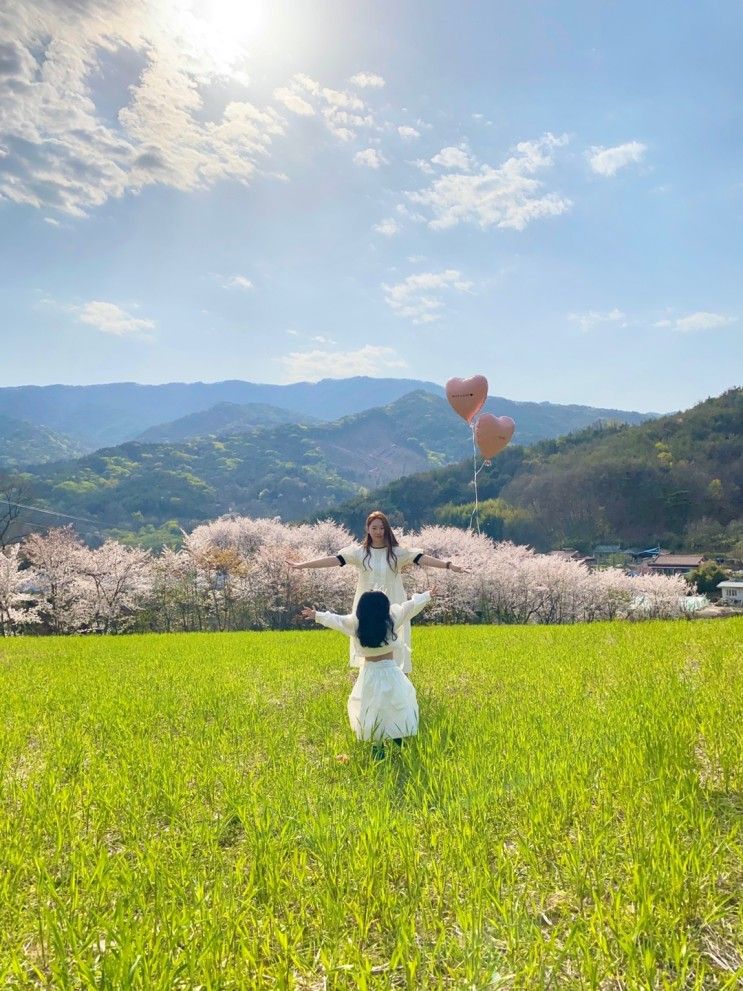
x=225, y=31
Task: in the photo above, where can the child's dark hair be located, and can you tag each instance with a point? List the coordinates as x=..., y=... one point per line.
x=376, y=627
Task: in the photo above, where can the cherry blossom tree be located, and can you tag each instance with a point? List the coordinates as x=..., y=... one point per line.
x=242, y=566
x=611, y=595
x=66, y=597
x=120, y=579
x=179, y=598
x=17, y=604
x=658, y=596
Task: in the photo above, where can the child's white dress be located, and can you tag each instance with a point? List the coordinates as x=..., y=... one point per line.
x=376, y=575
x=383, y=704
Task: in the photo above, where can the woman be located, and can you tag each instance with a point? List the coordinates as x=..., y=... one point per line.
x=379, y=560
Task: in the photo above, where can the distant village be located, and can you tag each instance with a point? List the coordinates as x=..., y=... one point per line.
x=655, y=560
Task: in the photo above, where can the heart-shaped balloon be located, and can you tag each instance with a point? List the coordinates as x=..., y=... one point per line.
x=467, y=396
x=492, y=433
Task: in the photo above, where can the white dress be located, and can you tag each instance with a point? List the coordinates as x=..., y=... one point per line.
x=383, y=704
x=376, y=575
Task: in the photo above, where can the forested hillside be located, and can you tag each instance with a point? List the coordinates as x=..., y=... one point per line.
x=677, y=480
x=23, y=443
x=221, y=420
x=290, y=470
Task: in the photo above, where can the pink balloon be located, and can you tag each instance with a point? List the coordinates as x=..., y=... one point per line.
x=467, y=396
x=492, y=433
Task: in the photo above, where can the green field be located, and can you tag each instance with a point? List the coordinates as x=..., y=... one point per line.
x=174, y=813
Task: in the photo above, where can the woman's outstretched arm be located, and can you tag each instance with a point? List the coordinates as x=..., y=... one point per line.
x=426, y=561
x=321, y=562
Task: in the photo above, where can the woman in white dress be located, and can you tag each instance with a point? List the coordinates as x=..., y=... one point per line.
x=379, y=561
x=383, y=705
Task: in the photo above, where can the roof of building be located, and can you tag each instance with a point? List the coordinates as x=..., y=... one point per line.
x=570, y=555
x=677, y=561
x=730, y=584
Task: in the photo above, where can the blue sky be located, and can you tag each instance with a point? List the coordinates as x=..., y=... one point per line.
x=549, y=194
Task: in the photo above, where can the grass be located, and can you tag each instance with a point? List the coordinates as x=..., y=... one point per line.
x=176, y=812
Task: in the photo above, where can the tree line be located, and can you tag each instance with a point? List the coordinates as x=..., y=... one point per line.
x=233, y=574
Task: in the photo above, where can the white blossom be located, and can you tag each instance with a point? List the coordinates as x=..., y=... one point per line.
x=66, y=597
x=234, y=573
x=121, y=579
x=17, y=605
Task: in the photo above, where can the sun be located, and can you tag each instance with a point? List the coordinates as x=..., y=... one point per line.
x=224, y=32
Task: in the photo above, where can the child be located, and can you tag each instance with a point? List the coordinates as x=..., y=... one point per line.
x=382, y=705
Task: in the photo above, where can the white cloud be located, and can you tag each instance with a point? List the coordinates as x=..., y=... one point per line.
x=408, y=133
x=505, y=197
x=112, y=319
x=293, y=101
x=454, y=158
x=345, y=125
x=344, y=113
x=237, y=282
x=367, y=80
x=369, y=157
x=314, y=365
x=418, y=297
x=608, y=161
x=319, y=339
x=62, y=148
x=387, y=227
x=424, y=165
x=702, y=320
x=64, y=152
x=408, y=214
x=339, y=98
x=592, y=318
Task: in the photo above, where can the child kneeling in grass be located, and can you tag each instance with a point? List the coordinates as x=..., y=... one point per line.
x=382, y=705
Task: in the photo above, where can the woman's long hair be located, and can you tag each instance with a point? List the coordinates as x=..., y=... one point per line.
x=376, y=627
x=389, y=538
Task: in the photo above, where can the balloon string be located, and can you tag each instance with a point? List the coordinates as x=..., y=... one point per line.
x=475, y=472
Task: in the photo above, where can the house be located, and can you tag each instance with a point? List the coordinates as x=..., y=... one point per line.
x=731, y=593
x=567, y=554
x=638, y=554
x=570, y=554
x=675, y=564
x=605, y=549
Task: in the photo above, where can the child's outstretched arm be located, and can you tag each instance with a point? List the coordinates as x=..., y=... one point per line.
x=333, y=621
x=412, y=606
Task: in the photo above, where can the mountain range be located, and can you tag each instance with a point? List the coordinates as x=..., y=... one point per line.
x=63, y=421
x=610, y=481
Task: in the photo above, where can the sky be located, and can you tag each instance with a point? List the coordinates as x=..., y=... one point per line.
x=549, y=194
